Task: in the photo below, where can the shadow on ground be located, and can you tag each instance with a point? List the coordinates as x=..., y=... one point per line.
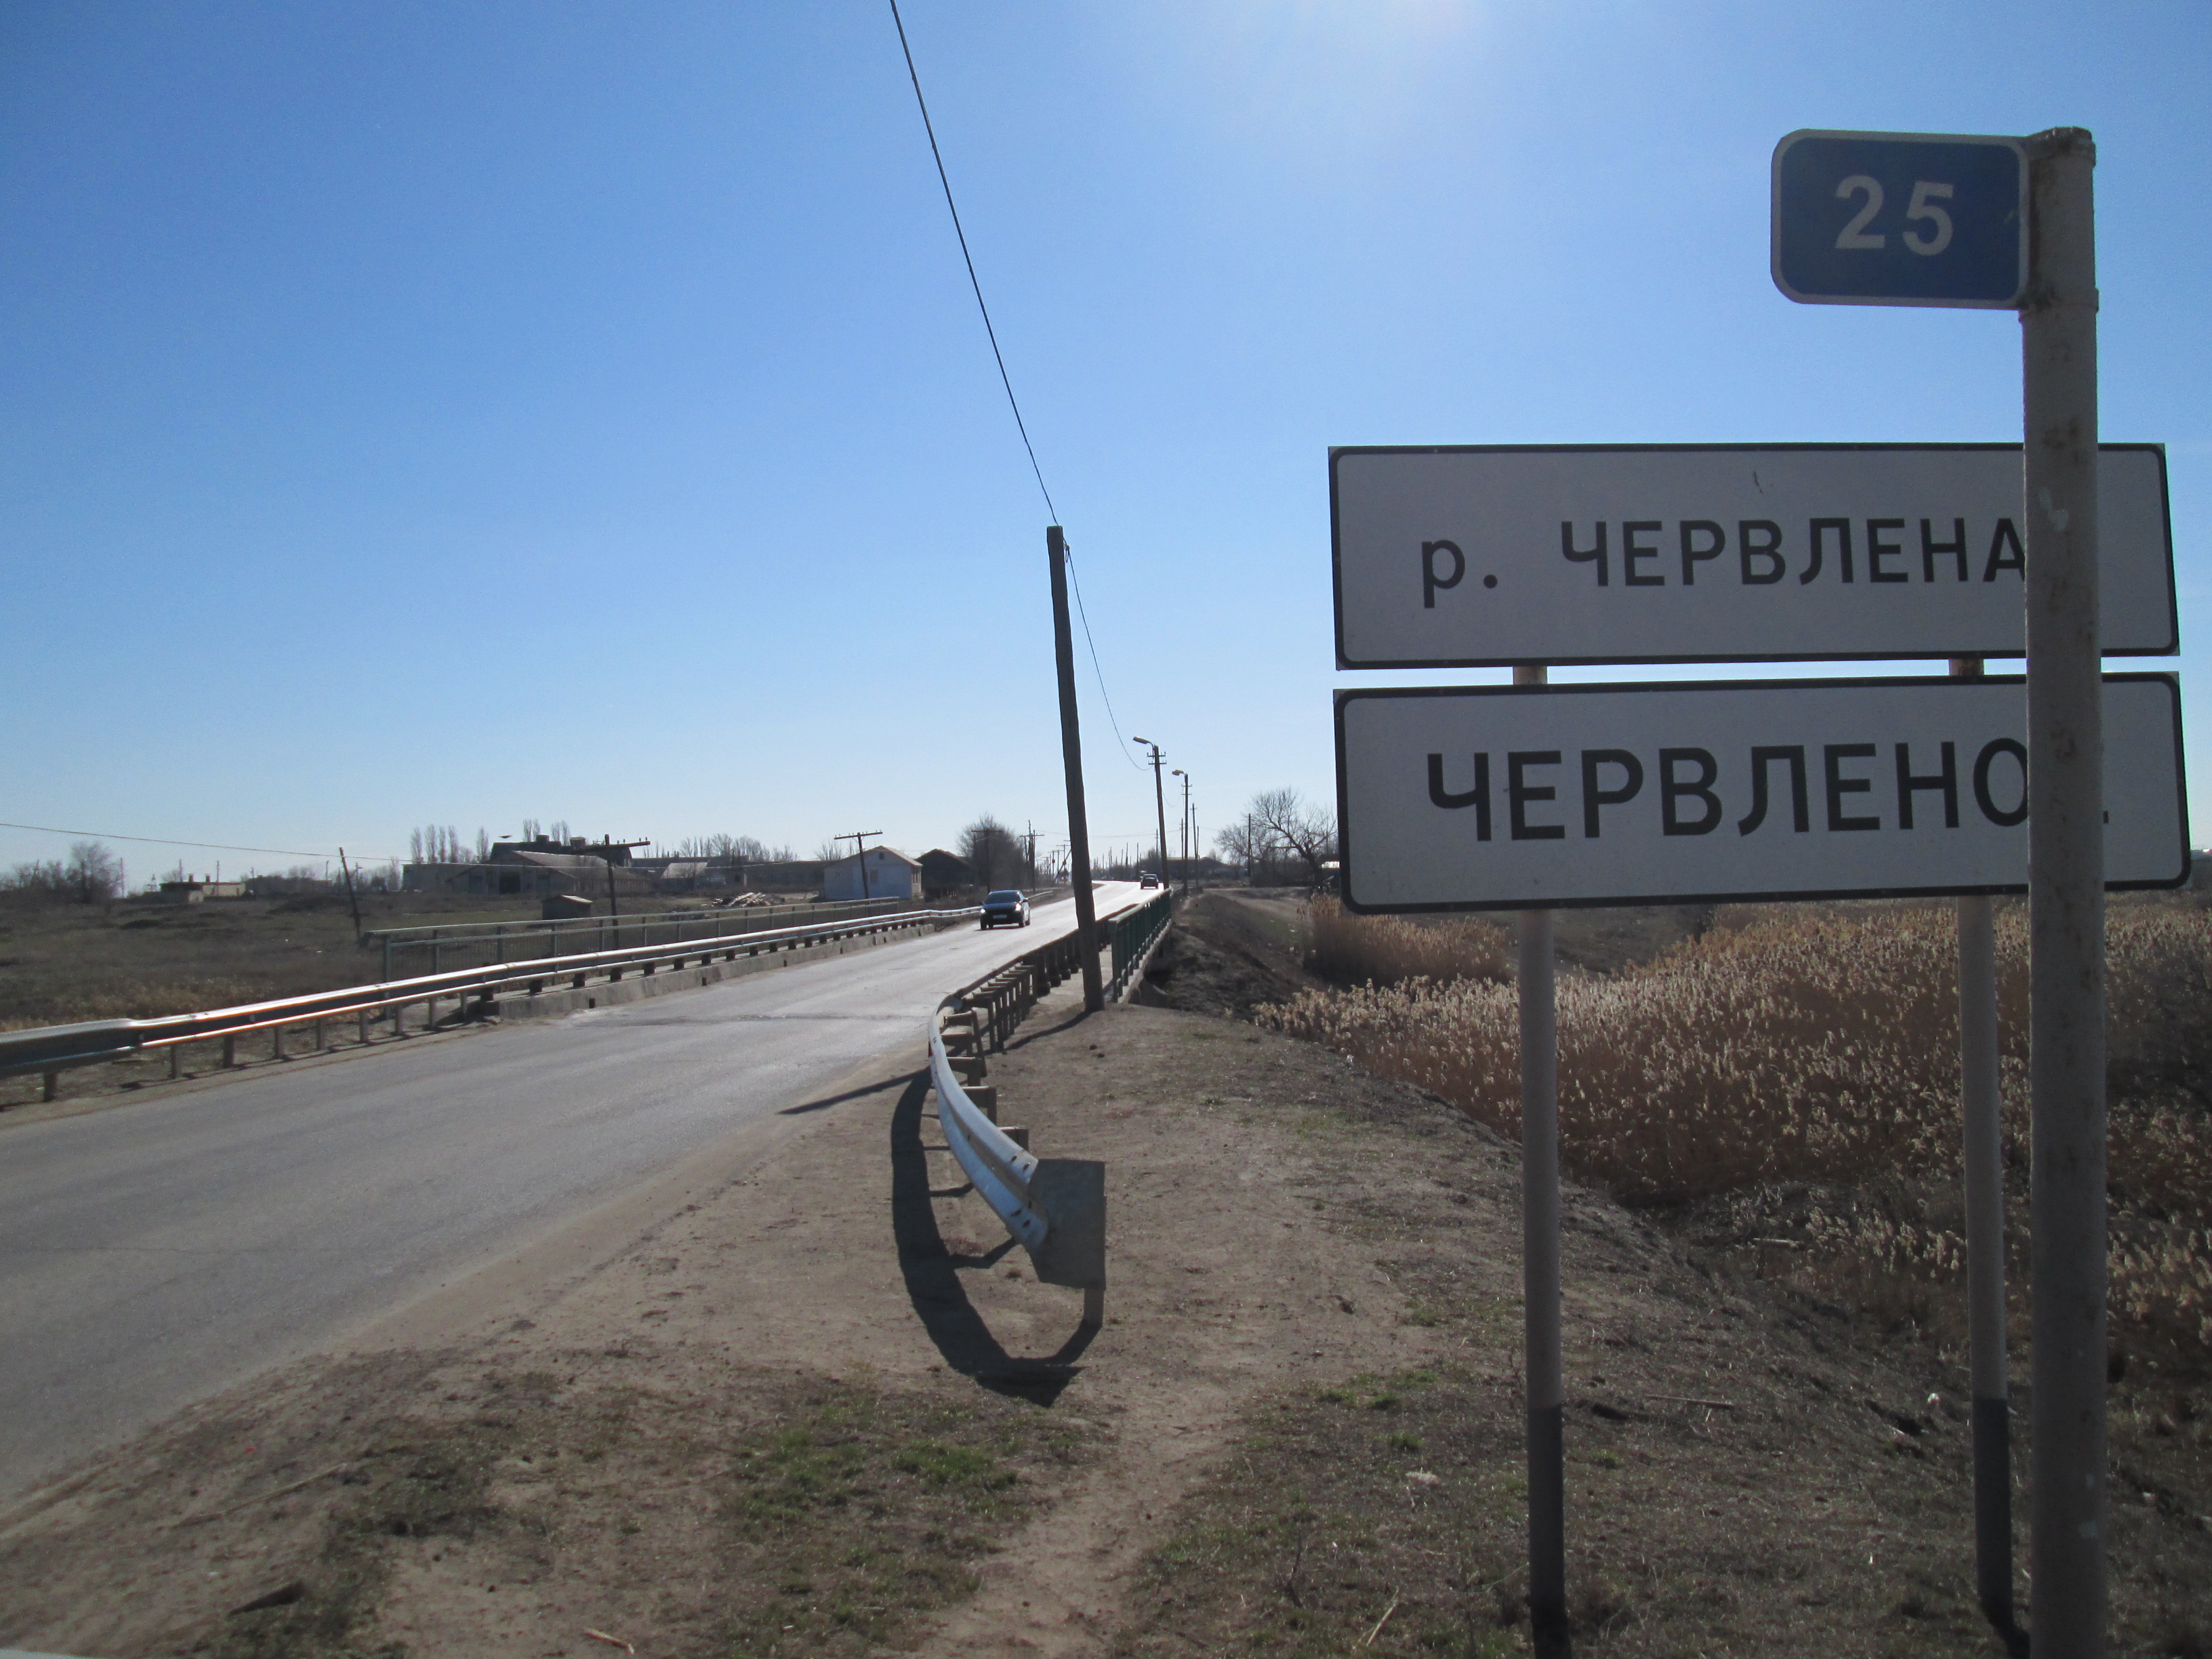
x=932, y=1273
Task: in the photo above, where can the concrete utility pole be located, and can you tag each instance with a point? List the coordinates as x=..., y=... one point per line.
x=1159, y=801
x=2066, y=901
x=859, y=838
x=1071, y=757
x=1188, y=847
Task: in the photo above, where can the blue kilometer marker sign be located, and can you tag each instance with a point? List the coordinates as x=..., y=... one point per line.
x=1900, y=219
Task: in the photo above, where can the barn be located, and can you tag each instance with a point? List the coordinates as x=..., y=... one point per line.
x=890, y=874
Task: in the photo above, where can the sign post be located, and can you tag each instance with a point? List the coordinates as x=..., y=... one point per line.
x=1982, y=1158
x=2010, y=223
x=2066, y=902
x=1540, y=1276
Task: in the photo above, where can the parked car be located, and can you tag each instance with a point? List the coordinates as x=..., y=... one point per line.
x=1148, y=879
x=1008, y=908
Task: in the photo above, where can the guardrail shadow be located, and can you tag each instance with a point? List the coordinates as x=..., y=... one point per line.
x=931, y=1274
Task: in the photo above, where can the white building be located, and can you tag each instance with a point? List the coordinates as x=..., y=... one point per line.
x=890, y=874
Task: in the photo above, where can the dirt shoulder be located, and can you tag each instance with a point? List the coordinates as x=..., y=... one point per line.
x=807, y=1400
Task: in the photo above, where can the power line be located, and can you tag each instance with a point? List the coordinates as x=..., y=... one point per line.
x=1004, y=378
x=1121, y=741
x=161, y=840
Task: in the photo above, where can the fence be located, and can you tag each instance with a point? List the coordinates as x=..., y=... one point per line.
x=51, y=1049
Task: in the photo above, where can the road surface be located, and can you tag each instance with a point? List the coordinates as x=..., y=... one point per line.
x=155, y=1253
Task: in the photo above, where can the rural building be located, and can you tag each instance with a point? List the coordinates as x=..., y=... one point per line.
x=943, y=873
x=515, y=874
x=198, y=890
x=686, y=875
x=607, y=849
x=890, y=874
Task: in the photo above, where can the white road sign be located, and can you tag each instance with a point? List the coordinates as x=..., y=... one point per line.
x=1514, y=797
x=1479, y=556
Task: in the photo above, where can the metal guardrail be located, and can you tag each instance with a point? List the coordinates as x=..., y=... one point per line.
x=1054, y=1208
x=51, y=1049
x=491, y=944
x=1133, y=934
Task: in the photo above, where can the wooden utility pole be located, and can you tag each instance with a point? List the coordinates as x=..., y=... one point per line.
x=1071, y=757
x=860, y=840
x=1160, y=803
x=352, y=898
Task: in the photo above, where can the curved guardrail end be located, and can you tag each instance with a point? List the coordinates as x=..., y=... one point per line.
x=1072, y=1192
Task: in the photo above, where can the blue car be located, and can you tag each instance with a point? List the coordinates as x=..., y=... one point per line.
x=1008, y=908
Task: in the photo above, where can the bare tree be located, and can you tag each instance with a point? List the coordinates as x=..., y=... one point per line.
x=1305, y=829
x=990, y=850
x=1254, y=849
x=93, y=875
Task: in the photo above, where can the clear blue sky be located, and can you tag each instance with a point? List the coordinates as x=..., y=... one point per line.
x=460, y=413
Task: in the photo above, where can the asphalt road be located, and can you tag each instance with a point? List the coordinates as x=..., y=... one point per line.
x=155, y=1253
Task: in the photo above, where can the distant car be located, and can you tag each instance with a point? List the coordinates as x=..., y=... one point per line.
x=1148, y=879
x=1008, y=908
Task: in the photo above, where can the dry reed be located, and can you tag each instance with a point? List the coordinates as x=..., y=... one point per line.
x=1347, y=949
x=1813, y=1046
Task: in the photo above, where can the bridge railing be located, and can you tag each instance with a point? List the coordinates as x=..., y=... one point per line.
x=436, y=948
x=51, y=1049
x=1134, y=933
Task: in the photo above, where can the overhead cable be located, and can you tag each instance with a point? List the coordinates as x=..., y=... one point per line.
x=1120, y=739
x=1005, y=379
x=163, y=841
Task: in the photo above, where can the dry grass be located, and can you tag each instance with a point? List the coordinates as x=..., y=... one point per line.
x=62, y=963
x=1806, y=1046
x=1355, y=950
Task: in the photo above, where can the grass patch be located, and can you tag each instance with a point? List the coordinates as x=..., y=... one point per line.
x=815, y=1518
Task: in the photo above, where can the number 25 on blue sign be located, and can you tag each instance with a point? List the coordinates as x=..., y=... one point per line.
x=1900, y=219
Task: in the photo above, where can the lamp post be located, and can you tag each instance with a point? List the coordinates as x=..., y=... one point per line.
x=1159, y=799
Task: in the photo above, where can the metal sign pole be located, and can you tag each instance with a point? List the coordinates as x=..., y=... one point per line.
x=2066, y=900
x=1983, y=1161
x=1539, y=1266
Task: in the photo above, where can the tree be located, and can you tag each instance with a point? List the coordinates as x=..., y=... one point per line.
x=1253, y=849
x=1289, y=821
x=93, y=875
x=991, y=851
